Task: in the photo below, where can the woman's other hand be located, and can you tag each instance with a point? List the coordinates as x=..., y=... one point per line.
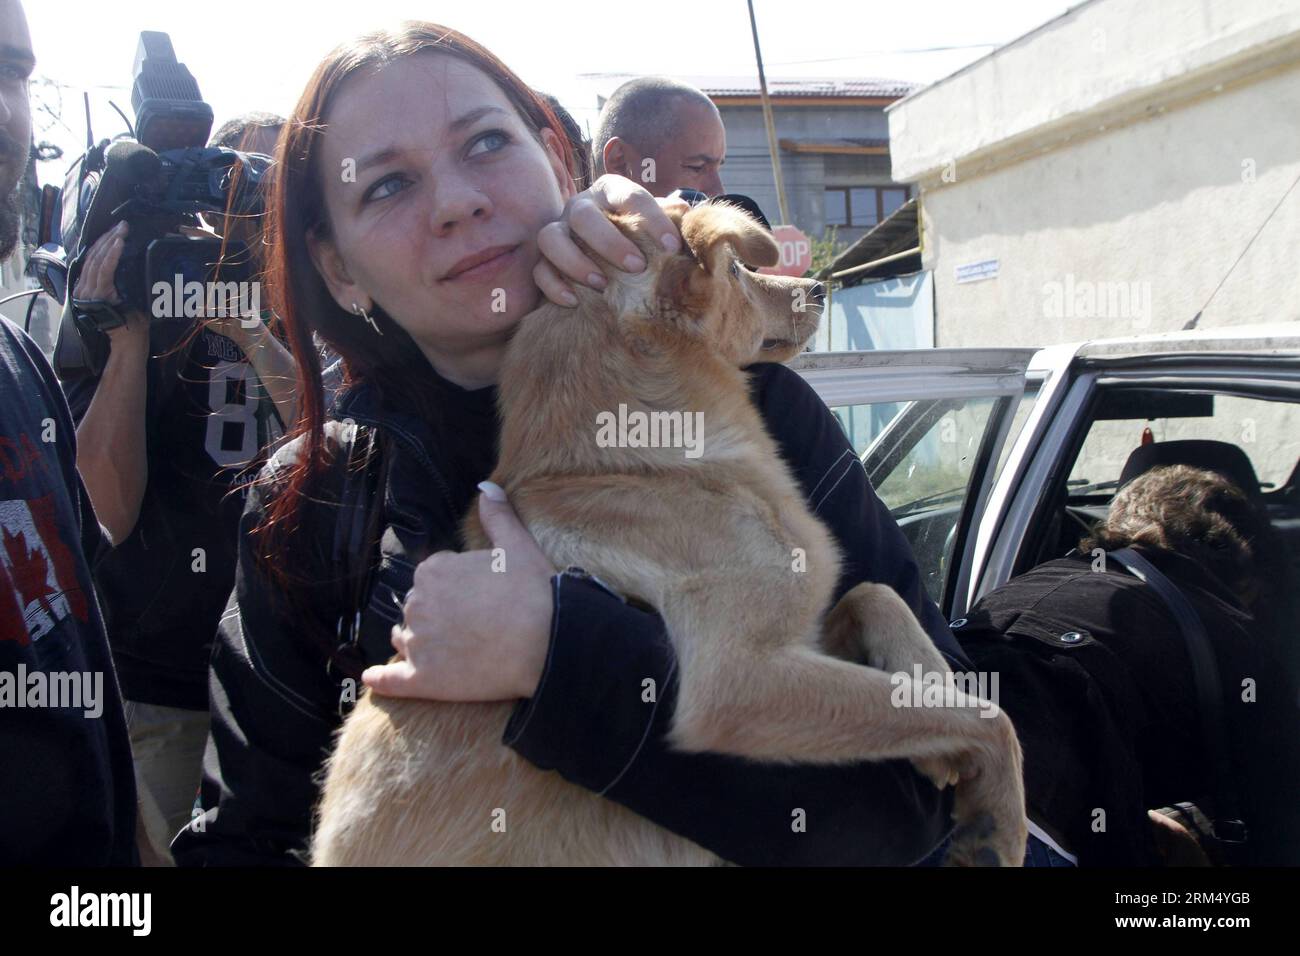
x=584, y=216
x=478, y=624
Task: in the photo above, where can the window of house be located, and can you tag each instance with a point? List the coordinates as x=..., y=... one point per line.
x=891, y=199
x=837, y=207
x=862, y=206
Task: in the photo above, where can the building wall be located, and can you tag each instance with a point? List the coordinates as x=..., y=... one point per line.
x=1101, y=55
x=1129, y=231
x=1115, y=163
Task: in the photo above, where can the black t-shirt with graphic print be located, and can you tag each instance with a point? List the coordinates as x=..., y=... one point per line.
x=165, y=587
x=67, y=789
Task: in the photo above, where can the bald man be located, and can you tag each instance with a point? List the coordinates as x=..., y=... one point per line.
x=663, y=134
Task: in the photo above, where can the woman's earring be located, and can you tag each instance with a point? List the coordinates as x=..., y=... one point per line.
x=362, y=312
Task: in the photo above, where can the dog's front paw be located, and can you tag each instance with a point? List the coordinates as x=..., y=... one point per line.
x=988, y=839
x=892, y=638
x=973, y=844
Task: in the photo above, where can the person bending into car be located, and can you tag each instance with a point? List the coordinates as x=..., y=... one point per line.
x=1095, y=674
x=463, y=197
x=178, y=419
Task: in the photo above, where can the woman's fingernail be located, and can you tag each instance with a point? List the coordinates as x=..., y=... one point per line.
x=492, y=491
x=568, y=298
x=634, y=263
x=669, y=241
x=596, y=280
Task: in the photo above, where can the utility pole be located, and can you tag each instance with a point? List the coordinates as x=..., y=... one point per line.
x=769, y=121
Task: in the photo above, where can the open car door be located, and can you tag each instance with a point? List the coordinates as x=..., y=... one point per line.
x=930, y=427
x=1098, y=401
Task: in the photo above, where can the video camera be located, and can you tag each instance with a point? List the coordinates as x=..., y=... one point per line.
x=158, y=180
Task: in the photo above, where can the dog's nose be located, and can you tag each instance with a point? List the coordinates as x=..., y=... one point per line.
x=817, y=293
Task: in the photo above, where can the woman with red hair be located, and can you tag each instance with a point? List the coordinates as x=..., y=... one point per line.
x=423, y=204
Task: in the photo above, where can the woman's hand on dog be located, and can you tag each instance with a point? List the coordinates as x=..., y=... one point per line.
x=584, y=216
x=477, y=624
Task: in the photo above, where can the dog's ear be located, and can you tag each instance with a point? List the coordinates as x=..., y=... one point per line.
x=632, y=225
x=676, y=214
x=711, y=228
x=682, y=288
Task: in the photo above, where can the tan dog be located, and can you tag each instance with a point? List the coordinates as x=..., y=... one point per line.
x=708, y=542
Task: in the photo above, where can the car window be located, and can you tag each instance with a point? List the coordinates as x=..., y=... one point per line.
x=864, y=423
x=919, y=456
x=1267, y=431
x=1023, y=407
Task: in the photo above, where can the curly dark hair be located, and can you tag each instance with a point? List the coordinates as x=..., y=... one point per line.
x=1201, y=515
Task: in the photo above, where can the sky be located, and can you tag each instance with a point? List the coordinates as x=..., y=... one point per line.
x=258, y=56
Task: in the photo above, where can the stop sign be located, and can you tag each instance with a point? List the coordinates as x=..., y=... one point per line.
x=796, y=252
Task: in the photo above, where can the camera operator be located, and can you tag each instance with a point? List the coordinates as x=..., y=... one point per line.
x=256, y=133
x=168, y=434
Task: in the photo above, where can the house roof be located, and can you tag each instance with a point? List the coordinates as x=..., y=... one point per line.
x=727, y=87
x=748, y=86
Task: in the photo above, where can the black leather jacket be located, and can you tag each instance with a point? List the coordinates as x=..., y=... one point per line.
x=275, y=704
x=1095, y=674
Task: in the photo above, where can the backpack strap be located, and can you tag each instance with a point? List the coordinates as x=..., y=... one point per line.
x=1229, y=829
x=354, y=551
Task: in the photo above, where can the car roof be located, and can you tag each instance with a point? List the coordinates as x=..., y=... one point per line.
x=1279, y=338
